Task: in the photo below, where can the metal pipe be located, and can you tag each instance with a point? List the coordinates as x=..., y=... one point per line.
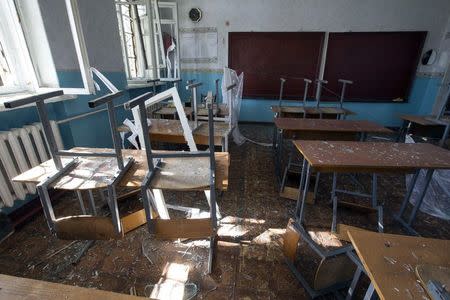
x=305, y=95
x=115, y=134
x=146, y=135
x=193, y=87
x=48, y=132
x=216, y=97
x=353, y=193
x=104, y=99
x=138, y=100
x=445, y=135
x=319, y=90
x=344, y=83
x=408, y=194
x=212, y=165
x=422, y=194
x=80, y=116
x=282, y=81
x=444, y=105
x=32, y=99
x=305, y=191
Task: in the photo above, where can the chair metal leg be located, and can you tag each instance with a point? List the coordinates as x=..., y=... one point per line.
x=80, y=200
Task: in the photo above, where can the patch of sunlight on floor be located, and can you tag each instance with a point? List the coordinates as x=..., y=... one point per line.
x=269, y=236
x=234, y=220
x=325, y=238
x=172, y=284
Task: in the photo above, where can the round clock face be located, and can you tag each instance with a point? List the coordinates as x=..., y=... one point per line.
x=195, y=14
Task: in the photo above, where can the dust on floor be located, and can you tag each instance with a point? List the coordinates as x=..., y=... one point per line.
x=248, y=264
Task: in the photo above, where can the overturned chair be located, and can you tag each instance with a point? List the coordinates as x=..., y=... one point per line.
x=78, y=170
x=158, y=177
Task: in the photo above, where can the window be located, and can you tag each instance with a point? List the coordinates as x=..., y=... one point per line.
x=16, y=73
x=26, y=63
x=150, y=49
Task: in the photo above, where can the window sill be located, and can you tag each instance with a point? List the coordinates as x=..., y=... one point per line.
x=16, y=96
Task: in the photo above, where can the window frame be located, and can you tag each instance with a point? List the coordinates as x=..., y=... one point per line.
x=24, y=70
x=155, y=41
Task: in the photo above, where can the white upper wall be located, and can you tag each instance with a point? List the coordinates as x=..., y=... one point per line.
x=317, y=15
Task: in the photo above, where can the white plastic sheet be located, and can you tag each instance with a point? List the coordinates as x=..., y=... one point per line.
x=437, y=199
x=233, y=99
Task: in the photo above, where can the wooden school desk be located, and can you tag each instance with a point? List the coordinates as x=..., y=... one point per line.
x=299, y=111
x=390, y=262
x=12, y=287
x=369, y=157
x=171, y=131
x=172, y=112
x=321, y=129
x=426, y=121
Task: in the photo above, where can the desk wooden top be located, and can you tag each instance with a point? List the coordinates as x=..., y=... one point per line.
x=425, y=120
x=372, y=157
x=172, y=110
x=95, y=172
x=329, y=125
x=12, y=287
x=390, y=261
x=204, y=111
x=311, y=110
x=171, y=131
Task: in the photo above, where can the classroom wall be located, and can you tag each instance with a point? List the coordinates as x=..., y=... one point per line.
x=324, y=15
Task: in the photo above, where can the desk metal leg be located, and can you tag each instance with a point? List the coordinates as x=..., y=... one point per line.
x=305, y=191
x=334, y=220
x=302, y=180
x=375, y=203
x=428, y=177
x=351, y=289
x=80, y=200
x=286, y=170
x=92, y=203
x=408, y=224
x=359, y=270
x=334, y=202
x=369, y=293
x=316, y=185
x=374, y=190
x=444, y=135
x=279, y=154
x=274, y=138
x=402, y=130
x=408, y=195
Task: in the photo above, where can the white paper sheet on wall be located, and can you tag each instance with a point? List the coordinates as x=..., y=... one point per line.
x=199, y=45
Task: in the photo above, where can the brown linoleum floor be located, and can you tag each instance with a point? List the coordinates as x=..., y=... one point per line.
x=249, y=263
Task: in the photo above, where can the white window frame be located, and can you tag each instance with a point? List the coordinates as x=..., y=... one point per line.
x=21, y=61
x=174, y=7
x=17, y=54
x=156, y=40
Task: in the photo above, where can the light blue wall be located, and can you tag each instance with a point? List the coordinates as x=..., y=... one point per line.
x=421, y=100
x=92, y=131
